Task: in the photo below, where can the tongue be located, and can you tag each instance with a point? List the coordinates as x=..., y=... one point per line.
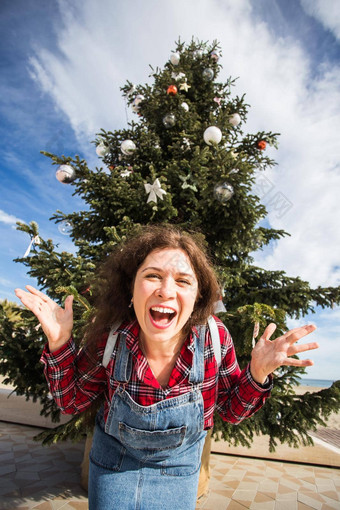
x=162, y=318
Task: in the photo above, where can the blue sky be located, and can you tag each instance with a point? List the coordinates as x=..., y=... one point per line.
x=62, y=63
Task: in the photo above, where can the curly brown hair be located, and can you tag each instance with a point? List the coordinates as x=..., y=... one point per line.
x=114, y=280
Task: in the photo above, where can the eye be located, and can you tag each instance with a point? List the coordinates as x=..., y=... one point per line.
x=186, y=282
x=152, y=275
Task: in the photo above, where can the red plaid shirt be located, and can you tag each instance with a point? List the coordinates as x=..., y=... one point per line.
x=75, y=380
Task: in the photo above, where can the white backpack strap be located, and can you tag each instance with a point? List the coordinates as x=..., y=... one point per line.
x=110, y=345
x=215, y=338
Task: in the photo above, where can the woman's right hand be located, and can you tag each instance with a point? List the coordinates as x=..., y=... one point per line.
x=56, y=322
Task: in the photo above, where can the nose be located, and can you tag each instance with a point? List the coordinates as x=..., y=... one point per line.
x=167, y=288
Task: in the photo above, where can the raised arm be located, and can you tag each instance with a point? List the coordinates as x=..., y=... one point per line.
x=56, y=322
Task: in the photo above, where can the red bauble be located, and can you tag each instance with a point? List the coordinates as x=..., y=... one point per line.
x=172, y=90
x=261, y=144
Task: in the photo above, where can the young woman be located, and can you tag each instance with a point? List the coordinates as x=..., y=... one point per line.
x=162, y=383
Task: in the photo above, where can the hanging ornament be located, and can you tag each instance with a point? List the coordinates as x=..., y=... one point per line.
x=65, y=174
x=175, y=58
x=208, y=74
x=234, y=119
x=212, y=135
x=233, y=154
x=136, y=103
x=185, y=106
x=186, y=184
x=178, y=76
x=172, y=90
x=169, y=120
x=111, y=167
x=155, y=190
x=65, y=227
x=218, y=100
x=184, y=86
x=127, y=172
x=223, y=192
x=197, y=54
x=102, y=150
x=127, y=147
x=214, y=55
x=261, y=144
x=34, y=240
x=131, y=90
x=186, y=145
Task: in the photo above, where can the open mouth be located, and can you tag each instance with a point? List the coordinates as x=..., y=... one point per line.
x=162, y=317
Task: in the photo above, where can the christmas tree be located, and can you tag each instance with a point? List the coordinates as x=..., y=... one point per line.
x=185, y=160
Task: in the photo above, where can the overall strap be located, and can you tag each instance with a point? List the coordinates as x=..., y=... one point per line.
x=215, y=338
x=110, y=344
x=197, y=369
x=123, y=364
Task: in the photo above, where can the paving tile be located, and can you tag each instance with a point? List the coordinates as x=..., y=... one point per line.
x=282, y=505
x=48, y=478
x=233, y=505
x=78, y=505
x=313, y=500
x=9, y=468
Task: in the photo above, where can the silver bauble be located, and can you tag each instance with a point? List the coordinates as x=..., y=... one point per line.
x=223, y=192
x=208, y=74
x=65, y=227
x=234, y=119
x=214, y=55
x=169, y=120
x=135, y=105
x=102, y=150
x=127, y=147
x=65, y=174
x=175, y=58
x=198, y=54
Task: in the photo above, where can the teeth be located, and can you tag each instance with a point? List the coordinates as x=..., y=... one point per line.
x=162, y=310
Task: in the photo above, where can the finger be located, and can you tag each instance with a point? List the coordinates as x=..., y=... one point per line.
x=33, y=303
x=25, y=298
x=269, y=331
x=292, y=362
x=68, y=304
x=295, y=334
x=296, y=349
x=38, y=293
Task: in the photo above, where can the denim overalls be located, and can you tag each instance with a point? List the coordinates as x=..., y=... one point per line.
x=148, y=457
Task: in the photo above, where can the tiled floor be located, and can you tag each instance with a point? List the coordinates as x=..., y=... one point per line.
x=48, y=478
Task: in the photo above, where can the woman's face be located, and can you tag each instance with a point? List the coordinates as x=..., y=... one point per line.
x=164, y=294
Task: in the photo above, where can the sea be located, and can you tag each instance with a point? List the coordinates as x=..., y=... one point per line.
x=320, y=383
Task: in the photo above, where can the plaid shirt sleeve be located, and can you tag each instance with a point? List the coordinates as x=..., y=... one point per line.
x=238, y=395
x=74, y=379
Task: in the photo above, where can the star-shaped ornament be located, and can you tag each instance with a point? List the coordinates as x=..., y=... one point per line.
x=185, y=184
x=126, y=173
x=184, y=86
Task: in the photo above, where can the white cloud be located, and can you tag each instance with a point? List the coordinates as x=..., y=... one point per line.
x=8, y=219
x=100, y=48
x=325, y=11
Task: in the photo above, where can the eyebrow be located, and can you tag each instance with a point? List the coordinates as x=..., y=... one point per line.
x=162, y=271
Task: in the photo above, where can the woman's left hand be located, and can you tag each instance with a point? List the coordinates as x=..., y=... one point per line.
x=268, y=355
